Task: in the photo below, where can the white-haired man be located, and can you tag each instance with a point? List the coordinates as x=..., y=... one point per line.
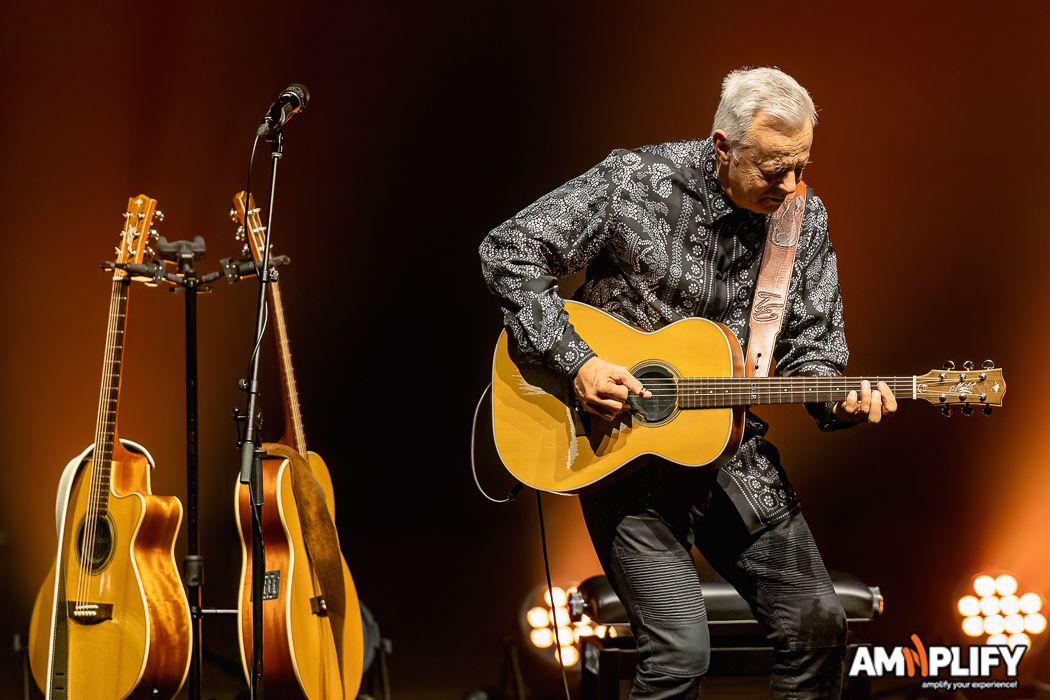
x=667, y=232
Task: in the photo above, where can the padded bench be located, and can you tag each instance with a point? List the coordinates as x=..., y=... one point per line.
x=738, y=645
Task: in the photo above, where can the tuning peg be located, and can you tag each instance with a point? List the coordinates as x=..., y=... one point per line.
x=988, y=364
x=949, y=365
x=968, y=409
x=987, y=410
x=946, y=411
x=158, y=215
x=233, y=216
x=240, y=234
x=967, y=365
x=984, y=397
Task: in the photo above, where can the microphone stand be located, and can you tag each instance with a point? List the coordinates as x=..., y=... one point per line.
x=251, y=455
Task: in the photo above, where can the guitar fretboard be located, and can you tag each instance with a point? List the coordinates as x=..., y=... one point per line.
x=109, y=394
x=724, y=392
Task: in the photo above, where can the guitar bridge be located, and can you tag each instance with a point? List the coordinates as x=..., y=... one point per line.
x=89, y=613
x=319, y=606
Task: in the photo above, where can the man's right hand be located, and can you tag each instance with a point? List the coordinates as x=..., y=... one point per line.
x=603, y=387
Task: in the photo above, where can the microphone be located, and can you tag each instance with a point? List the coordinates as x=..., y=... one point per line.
x=293, y=99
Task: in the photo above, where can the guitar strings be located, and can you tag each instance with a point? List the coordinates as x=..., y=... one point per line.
x=99, y=457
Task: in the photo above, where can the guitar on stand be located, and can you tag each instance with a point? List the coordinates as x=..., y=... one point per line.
x=112, y=619
x=312, y=636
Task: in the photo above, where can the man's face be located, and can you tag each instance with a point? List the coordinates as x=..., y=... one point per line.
x=768, y=168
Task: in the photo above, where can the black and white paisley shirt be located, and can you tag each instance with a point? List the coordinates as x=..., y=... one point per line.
x=661, y=241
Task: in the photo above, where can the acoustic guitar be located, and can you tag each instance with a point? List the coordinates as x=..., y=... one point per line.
x=313, y=641
x=695, y=417
x=112, y=619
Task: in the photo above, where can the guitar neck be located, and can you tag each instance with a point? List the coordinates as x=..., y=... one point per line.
x=724, y=392
x=293, y=415
x=109, y=395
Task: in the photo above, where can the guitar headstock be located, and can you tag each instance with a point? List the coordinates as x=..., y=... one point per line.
x=137, y=235
x=949, y=387
x=252, y=231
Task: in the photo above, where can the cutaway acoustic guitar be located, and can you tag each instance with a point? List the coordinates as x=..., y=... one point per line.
x=112, y=619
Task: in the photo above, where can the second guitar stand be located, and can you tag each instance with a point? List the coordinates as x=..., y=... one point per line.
x=183, y=253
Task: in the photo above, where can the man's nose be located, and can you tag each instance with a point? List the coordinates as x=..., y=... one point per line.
x=788, y=182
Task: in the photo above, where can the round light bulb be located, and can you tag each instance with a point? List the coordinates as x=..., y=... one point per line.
x=994, y=624
x=997, y=640
x=989, y=605
x=559, y=597
x=559, y=617
x=984, y=585
x=1010, y=605
x=1031, y=603
x=537, y=617
x=973, y=626
x=1019, y=640
x=1014, y=624
x=542, y=637
x=1006, y=584
x=969, y=605
x=1034, y=623
x=569, y=656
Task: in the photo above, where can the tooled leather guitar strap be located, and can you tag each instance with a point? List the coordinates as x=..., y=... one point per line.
x=774, y=276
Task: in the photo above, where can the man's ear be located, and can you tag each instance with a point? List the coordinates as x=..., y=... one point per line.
x=723, y=151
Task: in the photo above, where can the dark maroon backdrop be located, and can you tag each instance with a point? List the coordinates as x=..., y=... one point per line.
x=429, y=124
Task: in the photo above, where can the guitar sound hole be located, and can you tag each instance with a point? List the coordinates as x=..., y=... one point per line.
x=102, y=552
x=662, y=383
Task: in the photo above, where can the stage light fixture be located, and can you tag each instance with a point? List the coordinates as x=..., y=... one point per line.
x=547, y=611
x=997, y=611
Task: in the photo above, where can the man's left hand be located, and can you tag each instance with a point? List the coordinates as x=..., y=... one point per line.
x=870, y=406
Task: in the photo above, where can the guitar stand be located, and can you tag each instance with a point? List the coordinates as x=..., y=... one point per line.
x=185, y=281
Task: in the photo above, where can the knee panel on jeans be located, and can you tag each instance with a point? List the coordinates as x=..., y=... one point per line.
x=797, y=590
x=666, y=606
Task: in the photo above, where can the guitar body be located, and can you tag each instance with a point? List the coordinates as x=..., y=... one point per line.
x=136, y=643
x=551, y=447
x=302, y=656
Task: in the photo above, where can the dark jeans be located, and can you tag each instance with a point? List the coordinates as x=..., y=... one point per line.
x=643, y=529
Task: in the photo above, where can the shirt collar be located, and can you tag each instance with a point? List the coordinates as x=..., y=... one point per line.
x=704, y=183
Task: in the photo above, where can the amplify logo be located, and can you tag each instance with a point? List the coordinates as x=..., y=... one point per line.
x=920, y=661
